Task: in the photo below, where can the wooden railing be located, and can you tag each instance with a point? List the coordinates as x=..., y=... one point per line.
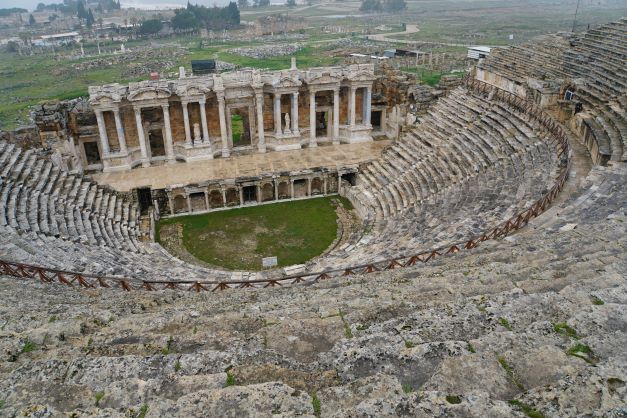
x=513, y=224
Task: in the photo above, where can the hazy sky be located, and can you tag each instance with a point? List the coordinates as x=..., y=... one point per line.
x=31, y=4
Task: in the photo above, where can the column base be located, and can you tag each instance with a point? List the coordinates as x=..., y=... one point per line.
x=261, y=148
x=226, y=153
x=313, y=144
x=145, y=164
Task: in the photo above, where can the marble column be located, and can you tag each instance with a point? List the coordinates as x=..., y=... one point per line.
x=203, y=120
x=188, y=132
x=276, y=189
x=292, y=188
x=223, y=197
x=277, y=114
x=295, y=129
x=367, y=106
x=169, y=145
x=141, y=137
x=312, y=121
x=104, y=139
x=261, y=143
x=189, y=203
x=336, y=116
x=206, y=200
x=324, y=186
x=259, y=200
x=119, y=127
x=351, y=106
x=223, y=134
x=241, y=196
x=309, y=187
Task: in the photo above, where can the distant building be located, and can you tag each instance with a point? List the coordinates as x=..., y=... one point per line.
x=57, y=39
x=478, y=52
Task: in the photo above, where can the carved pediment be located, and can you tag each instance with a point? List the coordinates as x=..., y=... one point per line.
x=322, y=78
x=149, y=93
x=108, y=95
x=286, y=81
x=361, y=76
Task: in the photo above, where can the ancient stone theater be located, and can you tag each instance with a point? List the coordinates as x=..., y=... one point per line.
x=484, y=274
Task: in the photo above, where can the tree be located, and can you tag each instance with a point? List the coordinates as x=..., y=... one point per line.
x=99, y=8
x=291, y=3
x=184, y=20
x=370, y=6
x=242, y=4
x=90, y=19
x=40, y=7
x=264, y=3
x=394, y=6
x=31, y=20
x=150, y=27
x=81, y=12
x=100, y=22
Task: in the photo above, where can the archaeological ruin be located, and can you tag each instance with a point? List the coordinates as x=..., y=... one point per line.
x=486, y=277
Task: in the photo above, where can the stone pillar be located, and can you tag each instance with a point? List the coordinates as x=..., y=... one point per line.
x=324, y=185
x=295, y=129
x=367, y=106
x=223, y=197
x=169, y=145
x=119, y=127
x=171, y=203
x=104, y=139
x=277, y=114
x=351, y=106
x=189, y=203
x=312, y=122
x=309, y=186
x=261, y=144
x=259, y=200
x=221, y=112
x=336, y=116
x=241, y=196
x=291, y=188
x=141, y=137
x=276, y=189
x=188, y=132
x=206, y=200
x=203, y=120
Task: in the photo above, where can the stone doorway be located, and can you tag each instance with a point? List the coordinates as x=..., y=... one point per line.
x=198, y=201
x=375, y=119
x=240, y=127
x=144, y=198
x=323, y=123
x=250, y=194
x=300, y=188
x=92, y=153
x=157, y=145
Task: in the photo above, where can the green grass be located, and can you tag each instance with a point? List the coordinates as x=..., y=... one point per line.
x=453, y=399
x=407, y=388
x=583, y=352
x=237, y=128
x=97, y=397
x=504, y=322
x=143, y=411
x=528, y=410
x=230, y=379
x=315, y=403
x=239, y=238
x=565, y=329
x=597, y=300
x=510, y=372
x=28, y=347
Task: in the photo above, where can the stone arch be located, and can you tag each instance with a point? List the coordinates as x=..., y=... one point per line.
x=215, y=199
x=284, y=190
x=180, y=204
x=198, y=201
x=232, y=197
x=317, y=186
x=267, y=192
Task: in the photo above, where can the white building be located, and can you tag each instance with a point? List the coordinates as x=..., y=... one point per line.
x=478, y=52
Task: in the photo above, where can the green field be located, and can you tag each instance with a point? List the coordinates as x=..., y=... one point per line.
x=237, y=239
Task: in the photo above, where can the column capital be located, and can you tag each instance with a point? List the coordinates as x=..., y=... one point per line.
x=137, y=108
x=203, y=101
x=295, y=93
x=165, y=106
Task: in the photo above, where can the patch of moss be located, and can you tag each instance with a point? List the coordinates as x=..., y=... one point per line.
x=471, y=348
x=143, y=411
x=454, y=399
x=315, y=403
x=597, y=301
x=98, y=396
x=510, y=372
x=583, y=352
x=230, y=379
x=505, y=323
x=528, y=410
x=407, y=388
x=28, y=347
x=565, y=329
